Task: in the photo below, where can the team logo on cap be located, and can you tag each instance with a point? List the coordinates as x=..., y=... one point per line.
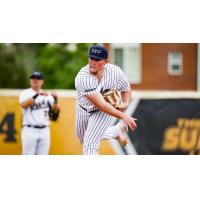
x=97, y=51
x=37, y=73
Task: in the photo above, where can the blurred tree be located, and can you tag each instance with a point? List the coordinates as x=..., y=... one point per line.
x=11, y=75
x=59, y=63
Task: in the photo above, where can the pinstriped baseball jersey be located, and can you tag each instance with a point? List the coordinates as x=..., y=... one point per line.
x=93, y=125
x=86, y=84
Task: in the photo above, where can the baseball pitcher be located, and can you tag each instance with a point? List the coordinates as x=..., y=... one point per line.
x=103, y=92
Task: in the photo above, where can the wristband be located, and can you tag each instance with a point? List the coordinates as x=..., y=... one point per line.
x=35, y=96
x=55, y=100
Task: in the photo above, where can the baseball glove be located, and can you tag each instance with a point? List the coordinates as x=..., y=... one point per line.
x=114, y=98
x=54, y=114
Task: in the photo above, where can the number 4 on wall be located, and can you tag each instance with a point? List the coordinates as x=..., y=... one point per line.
x=9, y=130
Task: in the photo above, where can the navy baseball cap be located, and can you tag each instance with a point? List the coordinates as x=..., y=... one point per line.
x=37, y=75
x=98, y=52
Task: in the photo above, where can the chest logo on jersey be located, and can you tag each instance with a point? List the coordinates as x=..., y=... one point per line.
x=90, y=90
x=39, y=105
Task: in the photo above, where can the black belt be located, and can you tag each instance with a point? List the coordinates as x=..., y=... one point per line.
x=88, y=111
x=39, y=127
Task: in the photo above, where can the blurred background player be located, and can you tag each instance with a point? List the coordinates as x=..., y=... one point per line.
x=36, y=104
x=93, y=114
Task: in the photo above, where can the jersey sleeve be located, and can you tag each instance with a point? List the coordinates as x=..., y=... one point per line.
x=123, y=84
x=51, y=100
x=23, y=97
x=86, y=85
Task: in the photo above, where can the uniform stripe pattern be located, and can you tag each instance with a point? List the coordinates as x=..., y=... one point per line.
x=93, y=127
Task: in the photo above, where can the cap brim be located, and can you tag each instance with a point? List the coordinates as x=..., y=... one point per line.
x=38, y=77
x=96, y=57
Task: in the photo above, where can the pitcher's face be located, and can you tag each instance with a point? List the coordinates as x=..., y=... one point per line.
x=96, y=65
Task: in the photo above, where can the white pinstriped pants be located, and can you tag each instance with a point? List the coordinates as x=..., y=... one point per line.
x=91, y=128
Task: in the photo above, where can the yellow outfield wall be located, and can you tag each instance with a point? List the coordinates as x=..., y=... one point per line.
x=63, y=137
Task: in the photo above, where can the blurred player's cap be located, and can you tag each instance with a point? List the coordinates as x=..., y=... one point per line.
x=37, y=75
x=98, y=52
